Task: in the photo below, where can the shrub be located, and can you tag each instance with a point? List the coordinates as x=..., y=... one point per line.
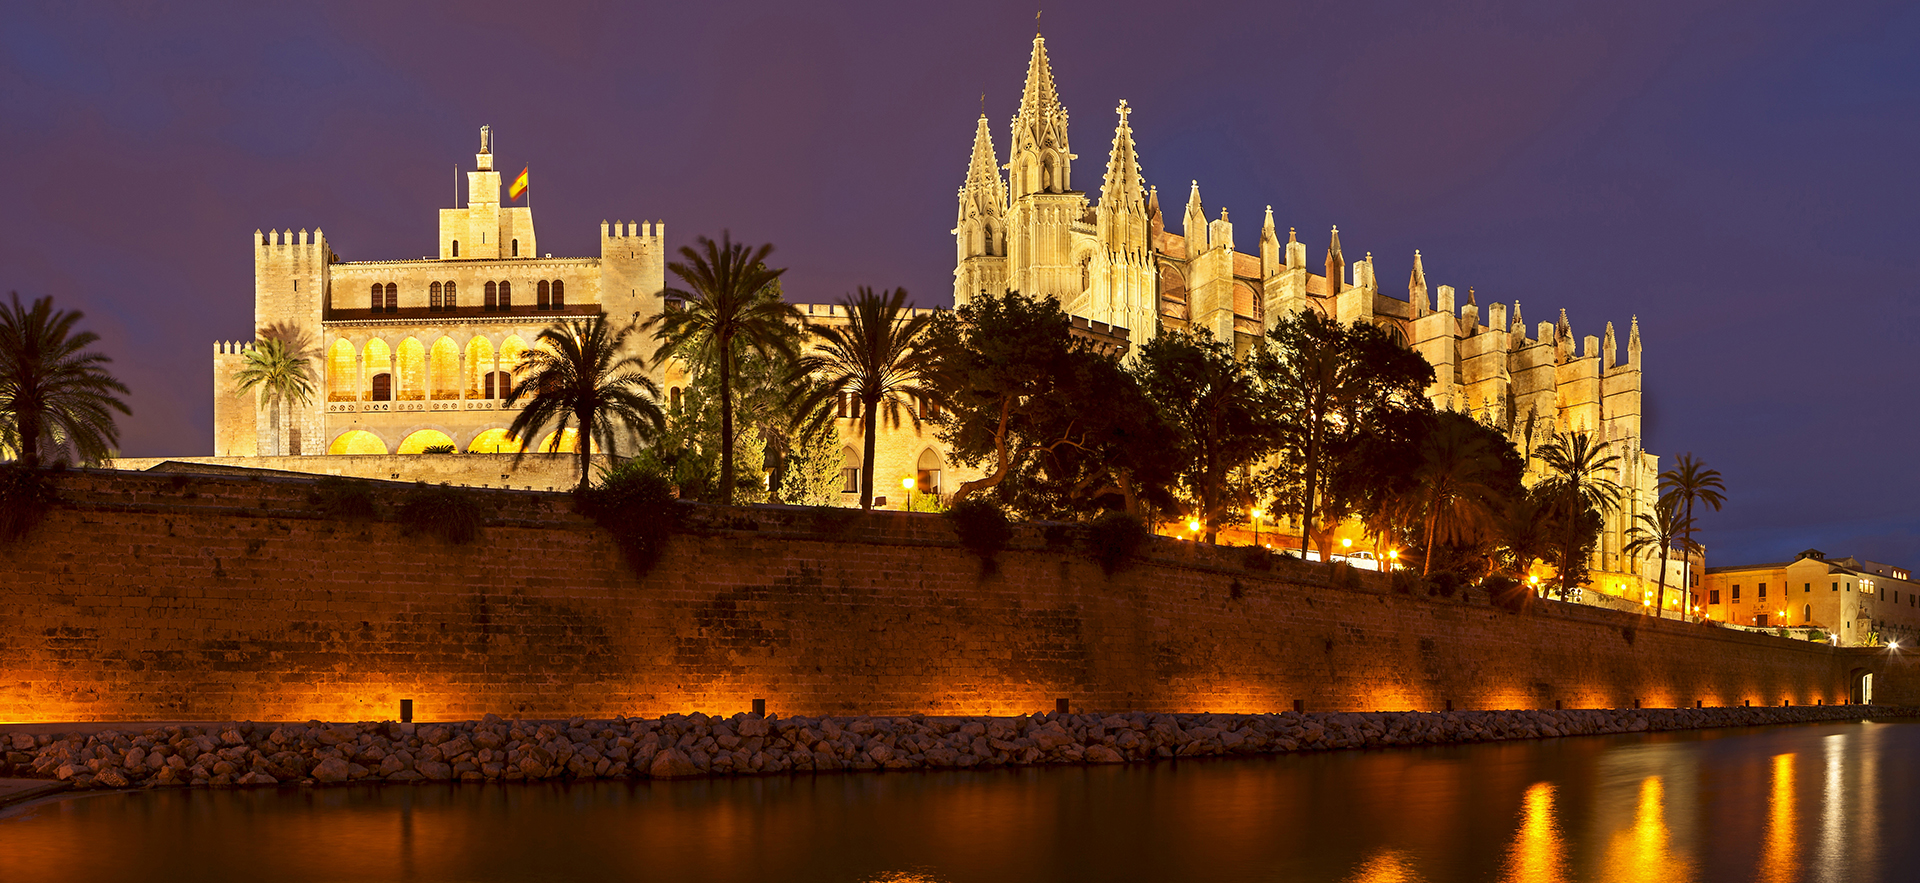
x=451, y=515
x=438, y=449
x=636, y=504
x=25, y=496
x=1444, y=583
x=344, y=498
x=983, y=529
x=1258, y=558
x=1113, y=538
x=1506, y=592
x=1405, y=581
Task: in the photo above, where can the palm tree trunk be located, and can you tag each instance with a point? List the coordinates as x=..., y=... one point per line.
x=584, y=447
x=1573, y=529
x=1686, y=563
x=1313, y=476
x=726, y=421
x=871, y=432
x=1660, y=599
x=1426, y=566
x=273, y=425
x=27, y=423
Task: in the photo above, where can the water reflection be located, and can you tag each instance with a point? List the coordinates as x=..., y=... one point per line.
x=1645, y=851
x=1538, y=854
x=1780, y=857
x=1719, y=806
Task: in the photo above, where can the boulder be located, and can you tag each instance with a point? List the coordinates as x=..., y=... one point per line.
x=672, y=764
x=332, y=769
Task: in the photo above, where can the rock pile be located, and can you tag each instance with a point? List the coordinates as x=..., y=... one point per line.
x=496, y=750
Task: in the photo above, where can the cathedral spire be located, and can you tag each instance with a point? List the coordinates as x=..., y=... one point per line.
x=1123, y=187
x=1417, y=286
x=983, y=169
x=1040, y=160
x=1193, y=225
x=1039, y=97
x=1336, y=265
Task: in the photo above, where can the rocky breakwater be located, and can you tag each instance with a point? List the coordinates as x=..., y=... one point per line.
x=496, y=750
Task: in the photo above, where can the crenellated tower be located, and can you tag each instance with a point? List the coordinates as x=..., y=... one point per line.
x=980, y=228
x=1044, y=207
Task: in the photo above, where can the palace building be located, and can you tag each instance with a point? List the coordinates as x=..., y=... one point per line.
x=1023, y=226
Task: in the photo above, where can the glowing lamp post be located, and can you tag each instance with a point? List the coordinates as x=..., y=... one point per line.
x=1193, y=526
x=1254, y=514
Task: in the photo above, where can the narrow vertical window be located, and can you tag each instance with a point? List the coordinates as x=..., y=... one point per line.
x=379, y=298
x=493, y=296
x=433, y=297
x=516, y=248
x=450, y=301
x=393, y=298
x=559, y=294
x=456, y=248
x=542, y=296
x=506, y=296
x=383, y=387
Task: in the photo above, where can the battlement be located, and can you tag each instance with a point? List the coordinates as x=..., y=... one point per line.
x=284, y=241
x=631, y=229
x=232, y=347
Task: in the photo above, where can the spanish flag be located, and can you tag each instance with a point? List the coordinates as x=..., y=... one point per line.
x=519, y=185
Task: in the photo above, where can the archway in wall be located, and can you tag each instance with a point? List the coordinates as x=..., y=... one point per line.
x=420, y=441
x=446, y=369
x=479, y=365
x=849, y=470
x=510, y=351
x=493, y=441
x=343, y=381
x=410, y=381
x=379, y=364
x=564, y=444
x=357, y=441
x=927, y=472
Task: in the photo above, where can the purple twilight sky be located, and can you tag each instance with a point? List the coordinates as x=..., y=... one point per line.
x=1741, y=176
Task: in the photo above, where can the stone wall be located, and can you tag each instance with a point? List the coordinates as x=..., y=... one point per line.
x=160, y=597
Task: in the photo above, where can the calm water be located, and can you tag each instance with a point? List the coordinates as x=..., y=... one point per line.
x=1834, y=802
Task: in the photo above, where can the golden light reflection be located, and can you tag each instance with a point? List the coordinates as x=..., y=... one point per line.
x=1386, y=866
x=1780, y=856
x=1645, y=851
x=1538, y=854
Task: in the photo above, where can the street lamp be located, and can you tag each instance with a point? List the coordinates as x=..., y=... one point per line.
x=1254, y=513
x=1193, y=524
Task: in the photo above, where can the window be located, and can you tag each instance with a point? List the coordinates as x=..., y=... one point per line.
x=433, y=297
x=383, y=387
x=850, y=480
x=673, y=396
x=498, y=384
x=1736, y=594
x=1713, y=596
x=393, y=298
x=840, y=405
x=379, y=297
x=493, y=296
x=1836, y=587
x=456, y=248
x=516, y=248
x=1806, y=613
x=542, y=297
x=506, y=296
x=1763, y=591
x=450, y=302
x=1809, y=587
x=559, y=294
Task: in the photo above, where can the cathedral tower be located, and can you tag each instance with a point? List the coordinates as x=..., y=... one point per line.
x=1122, y=288
x=1044, y=205
x=980, y=231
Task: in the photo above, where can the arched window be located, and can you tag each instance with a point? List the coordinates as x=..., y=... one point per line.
x=450, y=302
x=433, y=297
x=493, y=296
x=927, y=472
x=849, y=471
x=506, y=296
x=559, y=294
x=456, y=248
x=516, y=248
x=542, y=296
x=393, y=298
x=383, y=387
x=379, y=297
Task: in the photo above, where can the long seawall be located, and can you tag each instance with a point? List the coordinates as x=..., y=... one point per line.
x=154, y=597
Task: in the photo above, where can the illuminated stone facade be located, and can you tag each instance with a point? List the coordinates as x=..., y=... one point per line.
x=1115, y=261
x=1858, y=603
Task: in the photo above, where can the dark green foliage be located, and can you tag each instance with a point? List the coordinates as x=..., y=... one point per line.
x=1258, y=558
x=878, y=358
x=1404, y=581
x=55, y=396
x=25, y=496
x=452, y=515
x=344, y=498
x=580, y=374
x=982, y=527
x=1112, y=539
x=1507, y=593
x=439, y=449
x=635, y=504
x=1219, y=423
x=1445, y=583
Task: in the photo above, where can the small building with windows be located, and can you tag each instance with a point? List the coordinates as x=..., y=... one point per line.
x=1860, y=603
x=418, y=355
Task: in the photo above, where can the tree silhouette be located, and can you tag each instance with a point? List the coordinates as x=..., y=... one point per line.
x=1577, y=467
x=878, y=358
x=55, y=395
x=578, y=374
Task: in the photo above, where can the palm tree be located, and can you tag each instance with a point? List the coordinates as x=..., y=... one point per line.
x=53, y=394
x=1657, y=533
x=876, y=358
x=1689, y=480
x=1527, y=530
x=730, y=303
x=577, y=373
x=279, y=369
x=1454, y=486
x=1578, y=468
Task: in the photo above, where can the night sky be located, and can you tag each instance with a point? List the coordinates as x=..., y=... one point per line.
x=1741, y=176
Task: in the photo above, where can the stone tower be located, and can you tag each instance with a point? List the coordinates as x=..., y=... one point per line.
x=1044, y=205
x=1121, y=288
